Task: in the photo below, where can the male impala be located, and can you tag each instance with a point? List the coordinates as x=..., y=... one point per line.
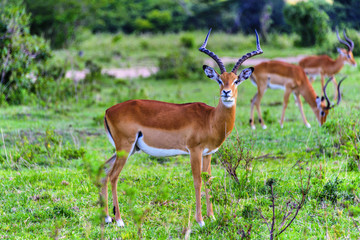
x=292, y=79
x=167, y=129
x=323, y=65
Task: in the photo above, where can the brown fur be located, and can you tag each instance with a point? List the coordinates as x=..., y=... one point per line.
x=326, y=67
x=293, y=79
x=190, y=127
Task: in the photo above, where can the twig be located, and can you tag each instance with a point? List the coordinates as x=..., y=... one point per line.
x=262, y=216
x=273, y=210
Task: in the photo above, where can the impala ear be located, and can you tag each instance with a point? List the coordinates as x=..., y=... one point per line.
x=318, y=102
x=245, y=74
x=212, y=74
x=341, y=52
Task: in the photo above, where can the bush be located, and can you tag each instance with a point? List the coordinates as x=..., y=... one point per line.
x=309, y=22
x=179, y=65
x=187, y=41
x=161, y=20
x=21, y=55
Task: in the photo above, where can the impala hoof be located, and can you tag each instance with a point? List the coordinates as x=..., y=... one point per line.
x=253, y=127
x=308, y=125
x=120, y=223
x=281, y=126
x=264, y=127
x=108, y=219
x=213, y=219
x=201, y=223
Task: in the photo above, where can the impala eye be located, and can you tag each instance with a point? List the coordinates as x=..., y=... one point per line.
x=220, y=82
x=322, y=113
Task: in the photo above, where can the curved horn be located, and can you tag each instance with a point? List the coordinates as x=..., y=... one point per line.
x=349, y=41
x=338, y=89
x=326, y=97
x=342, y=41
x=211, y=54
x=248, y=55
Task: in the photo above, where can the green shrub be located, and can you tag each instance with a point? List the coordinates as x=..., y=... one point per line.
x=179, y=65
x=71, y=152
x=161, y=20
x=142, y=25
x=21, y=55
x=309, y=22
x=187, y=41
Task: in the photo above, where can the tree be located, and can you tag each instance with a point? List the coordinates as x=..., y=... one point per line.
x=20, y=53
x=310, y=23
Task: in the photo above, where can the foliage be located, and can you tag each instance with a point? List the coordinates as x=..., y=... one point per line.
x=316, y=27
x=42, y=150
x=178, y=65
x=58, y=20
x=187, y=41
x=21, y=56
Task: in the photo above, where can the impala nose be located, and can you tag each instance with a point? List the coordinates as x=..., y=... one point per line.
x=226, y=93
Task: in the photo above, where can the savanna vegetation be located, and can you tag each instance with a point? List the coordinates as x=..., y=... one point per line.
x=290, y=183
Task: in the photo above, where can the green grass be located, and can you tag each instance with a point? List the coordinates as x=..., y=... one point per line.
x=145, y=50
x=47, y=194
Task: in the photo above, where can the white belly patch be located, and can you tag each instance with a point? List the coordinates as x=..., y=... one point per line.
x=208, y=152
x=158, y=152
x=275, y=86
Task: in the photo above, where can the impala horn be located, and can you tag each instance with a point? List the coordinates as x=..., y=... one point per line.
x=211, y=54
x=342, y=41
x=349, y=41
x=339, y=93
x=248, y=55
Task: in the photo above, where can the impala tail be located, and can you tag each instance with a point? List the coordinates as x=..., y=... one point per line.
x=108, y=133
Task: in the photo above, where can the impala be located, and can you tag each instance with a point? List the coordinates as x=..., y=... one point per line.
x=168, y=129
x=325, y=66
x=292, y=79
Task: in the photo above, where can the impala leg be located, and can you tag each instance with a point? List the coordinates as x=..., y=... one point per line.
x=258, y=109
x=252, y=122
x=113, y=177
x=335, y=85
x=195, y=160
x=104, y=190
x=298, y=99
x=322, y=83
x=285, y=103
x=206, y=167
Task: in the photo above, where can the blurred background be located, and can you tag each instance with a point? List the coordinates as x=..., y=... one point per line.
x=47, y=40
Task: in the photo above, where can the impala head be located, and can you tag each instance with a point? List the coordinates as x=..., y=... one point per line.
x=323, y=104
x=228, y=82
x=346, y=53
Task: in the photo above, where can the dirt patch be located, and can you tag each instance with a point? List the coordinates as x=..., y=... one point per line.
x=255, y=61
x=135, y=72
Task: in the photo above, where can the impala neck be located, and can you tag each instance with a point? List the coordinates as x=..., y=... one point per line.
x=224, y=119
x=309, y=95
x=338, y=64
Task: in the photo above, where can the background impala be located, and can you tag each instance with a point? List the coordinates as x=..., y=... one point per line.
x=167, y=129
x=325, y=66
x=291, y=79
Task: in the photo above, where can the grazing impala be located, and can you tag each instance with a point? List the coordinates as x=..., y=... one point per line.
x=292, y=79
x=167, y=129
x=323, y=65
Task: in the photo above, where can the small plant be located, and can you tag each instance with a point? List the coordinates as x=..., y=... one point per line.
x=289, y=212
x=330, y=191
x=187, y=41
x=179, y=65
x=233, y=154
